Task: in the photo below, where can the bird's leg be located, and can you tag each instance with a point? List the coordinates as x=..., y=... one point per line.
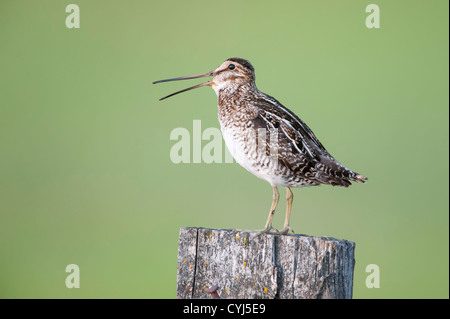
x=289, y=198
x=275, y=198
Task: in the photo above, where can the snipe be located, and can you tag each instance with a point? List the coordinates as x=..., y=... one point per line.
x=268, y=139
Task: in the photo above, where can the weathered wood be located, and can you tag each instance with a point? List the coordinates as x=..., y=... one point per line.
x=266, y=266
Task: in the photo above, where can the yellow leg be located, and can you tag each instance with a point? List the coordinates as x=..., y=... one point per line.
x=289, y=199
x=275, y=198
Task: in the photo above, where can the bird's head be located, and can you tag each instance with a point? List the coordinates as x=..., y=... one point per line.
x=232, y=73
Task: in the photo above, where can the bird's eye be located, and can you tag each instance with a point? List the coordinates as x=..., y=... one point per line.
x=231, y=66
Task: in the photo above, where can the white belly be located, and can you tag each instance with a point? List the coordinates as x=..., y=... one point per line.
x=241, y=143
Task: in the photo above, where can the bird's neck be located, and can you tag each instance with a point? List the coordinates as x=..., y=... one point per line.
x=237, y=99
x=236, y=91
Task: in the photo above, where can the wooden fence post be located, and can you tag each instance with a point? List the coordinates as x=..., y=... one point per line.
x=266, y=266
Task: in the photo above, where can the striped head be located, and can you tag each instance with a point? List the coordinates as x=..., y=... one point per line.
x=232, y=73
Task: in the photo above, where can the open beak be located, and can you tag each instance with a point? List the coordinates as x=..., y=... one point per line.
x=211, y=73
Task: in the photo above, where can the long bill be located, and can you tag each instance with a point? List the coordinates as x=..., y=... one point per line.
x=187, y=78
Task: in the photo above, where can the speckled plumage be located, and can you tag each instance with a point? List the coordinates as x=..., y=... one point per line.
x=302, y=160
x=268, y=139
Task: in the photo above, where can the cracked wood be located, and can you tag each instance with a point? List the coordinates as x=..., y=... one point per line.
x=267, y=266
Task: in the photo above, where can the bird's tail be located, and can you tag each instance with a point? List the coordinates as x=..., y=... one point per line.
x=344, y=179
x=358, y=178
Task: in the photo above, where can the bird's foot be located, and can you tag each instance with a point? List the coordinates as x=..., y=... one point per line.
x=286, y=229
x=267, y=230
x=273, y=231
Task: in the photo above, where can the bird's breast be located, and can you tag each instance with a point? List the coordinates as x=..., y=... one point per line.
x=247, y=146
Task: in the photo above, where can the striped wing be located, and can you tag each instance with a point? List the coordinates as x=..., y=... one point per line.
x=298, y=147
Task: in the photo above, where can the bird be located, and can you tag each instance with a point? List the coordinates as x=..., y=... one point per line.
x=267, y=138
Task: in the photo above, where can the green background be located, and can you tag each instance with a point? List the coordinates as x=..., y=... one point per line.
x=85, y=172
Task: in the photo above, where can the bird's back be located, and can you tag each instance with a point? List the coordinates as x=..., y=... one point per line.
x=300, y=158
